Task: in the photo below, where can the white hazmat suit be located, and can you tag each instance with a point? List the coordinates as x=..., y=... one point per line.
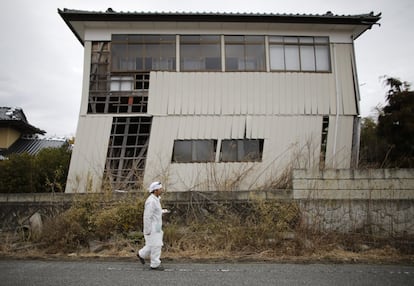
x=153, y=233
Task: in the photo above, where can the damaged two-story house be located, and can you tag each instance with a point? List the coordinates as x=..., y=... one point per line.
x=207, y=101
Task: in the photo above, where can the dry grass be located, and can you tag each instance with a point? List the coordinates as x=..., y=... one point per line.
x=252, y=231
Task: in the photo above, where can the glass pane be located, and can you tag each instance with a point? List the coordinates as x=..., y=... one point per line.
x=307, y=58
x=292, y=57
x=119, y=54
x=323, y=62
x=182, y=151
x=306, y=40
x=277, y=58
x=276, y=39
x=184, y=39
x=291, y=39
x=228, y=151
x=255, y=58
x=254, y=39
x=252, y=151
x=324, y=40
x=119, y=38
x=234, y=57
x=234, y=39
x=203, y=151
x=200, y=53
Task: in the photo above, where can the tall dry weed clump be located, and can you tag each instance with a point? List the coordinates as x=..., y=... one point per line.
x=95, y=216
x=251, y=227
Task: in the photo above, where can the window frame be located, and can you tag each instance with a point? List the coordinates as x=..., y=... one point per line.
x=201, y=43
x=239, y=154
x=287, y=44
x=244, y=42
x=195, y=156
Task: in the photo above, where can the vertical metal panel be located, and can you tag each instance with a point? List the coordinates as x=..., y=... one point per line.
x=249, y=126
x=228, y=127
x=266, y=83
x=275, y=92
x=288, y=94
x=181, y=127
x=342, y=155
x=217, y=83
x=179, y=91
x=87, y=52
x=89, y=153
x=203, y=93
x=237, y=95
x=346, y=75
x=166, y=92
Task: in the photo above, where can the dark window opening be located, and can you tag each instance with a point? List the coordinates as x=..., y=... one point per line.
x=241, y=150
x=194, y=151
x=324, y=142
x=127, y=151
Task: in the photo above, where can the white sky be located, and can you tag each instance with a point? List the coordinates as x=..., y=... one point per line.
x=41, y=60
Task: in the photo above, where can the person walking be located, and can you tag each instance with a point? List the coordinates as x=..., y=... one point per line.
x=153, y=233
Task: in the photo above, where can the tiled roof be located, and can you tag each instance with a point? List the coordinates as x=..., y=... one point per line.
x=14, y=117
x=31, y=146
x=75, y=19
x=111, y=14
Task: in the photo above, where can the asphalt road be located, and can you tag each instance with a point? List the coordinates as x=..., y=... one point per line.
x=105, y=273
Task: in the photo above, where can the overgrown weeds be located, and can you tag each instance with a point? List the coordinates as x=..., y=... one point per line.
x=104, y=225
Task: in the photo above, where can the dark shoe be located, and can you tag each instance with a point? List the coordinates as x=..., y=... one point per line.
x=159, y=268
x=141, y=259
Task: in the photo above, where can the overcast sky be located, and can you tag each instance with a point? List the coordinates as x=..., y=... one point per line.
x=41, y=60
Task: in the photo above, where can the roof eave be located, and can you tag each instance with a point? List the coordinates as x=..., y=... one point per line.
x=366, y=21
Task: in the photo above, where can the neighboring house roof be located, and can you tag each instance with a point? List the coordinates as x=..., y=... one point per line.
x=14, y=117
x=74, y=18
x=32, y=146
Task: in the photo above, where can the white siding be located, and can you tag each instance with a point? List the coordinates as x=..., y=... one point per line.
x=220, y=93
x=88, y=157
x=338, y=151
x=342, y=60
x=288, y=141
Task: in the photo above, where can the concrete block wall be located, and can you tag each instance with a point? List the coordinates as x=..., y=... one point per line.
x=379, y=201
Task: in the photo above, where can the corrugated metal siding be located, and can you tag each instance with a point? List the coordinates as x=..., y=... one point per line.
x=288, y=140
x=339, y=156
x=89, y=153
x=251, y=93
x=343, y=60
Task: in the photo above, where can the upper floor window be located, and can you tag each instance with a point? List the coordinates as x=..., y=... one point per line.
x=143, y=52
x=245, y=53
x=200, y=53
x=299, y=54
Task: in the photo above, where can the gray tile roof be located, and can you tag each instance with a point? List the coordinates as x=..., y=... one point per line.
x=31, y=146
x=14, y=117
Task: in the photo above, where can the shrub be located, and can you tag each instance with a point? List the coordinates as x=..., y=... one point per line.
x=45, y=172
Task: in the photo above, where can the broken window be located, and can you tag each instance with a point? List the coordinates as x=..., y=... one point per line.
x=299, y=54
x=241, y=150
x=127, y=150
x=192, y=151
